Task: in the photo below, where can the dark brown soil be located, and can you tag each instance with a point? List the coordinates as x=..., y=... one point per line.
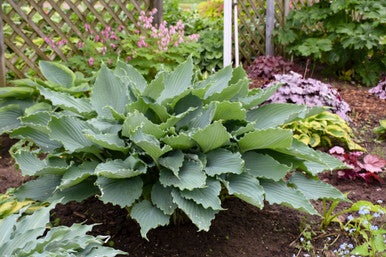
x=241, y=230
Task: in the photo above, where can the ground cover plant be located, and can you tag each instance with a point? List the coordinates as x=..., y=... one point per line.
x=267, y=66
x=166, y=147
x=380, y=89
x=345, y=35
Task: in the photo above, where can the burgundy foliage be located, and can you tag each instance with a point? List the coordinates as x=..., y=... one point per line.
x=380, y=89
x=366, y=169
x=267, y=66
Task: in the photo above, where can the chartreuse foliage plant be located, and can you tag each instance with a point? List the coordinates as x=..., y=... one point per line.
x=168, y=146
x=347, y=35
x=24, y=235
x=382, y=128
x=324, y=129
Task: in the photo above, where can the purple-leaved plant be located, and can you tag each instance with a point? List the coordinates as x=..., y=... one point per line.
x=380, y=89
x=309, y=92
x=266, y=67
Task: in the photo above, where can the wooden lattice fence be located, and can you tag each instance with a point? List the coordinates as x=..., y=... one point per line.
x=28, y=22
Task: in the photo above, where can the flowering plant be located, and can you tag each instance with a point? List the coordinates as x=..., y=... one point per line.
x=371, y=165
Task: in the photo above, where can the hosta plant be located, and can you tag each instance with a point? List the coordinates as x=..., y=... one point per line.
x=324, y=129
x=310, y=92
x=267, y=66
x=368, y=167
x=32, y=235
x=380, y=89
x=168, y=146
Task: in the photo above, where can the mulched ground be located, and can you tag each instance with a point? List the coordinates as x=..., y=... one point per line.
x=241, y=230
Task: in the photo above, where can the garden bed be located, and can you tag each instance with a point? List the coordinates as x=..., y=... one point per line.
x=241, y=230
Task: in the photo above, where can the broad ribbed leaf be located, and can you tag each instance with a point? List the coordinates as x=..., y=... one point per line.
x=105, y=126
x=38, y=121
x=200, y=216
x=156, y=86
x=203, y=119
x=258, y=96
x=57, y=73
x=315, y=189
x=148, y=216
x=9, y=117
x=331, y=163
x=208, y=196
x=109, y=90
x=211, y=137
x=128, y=168
x=173, y=161
x=273, y=115
x=190, y=176
x=128, y=72
x=245, y=187
x=31, y=165
x=16, y=92
x=68, y=131
x=269, y=138
x=181, y=141
x=39, y=138
x=280, y=193
x=162, y=198
x=229, y=92
x=38, y=107
x=40, y=189
x=177, y=81
x=222, y=161
x=149, y=144
x=78, y=192
x=229, y=111
x=122, y=192
x=77, y=174
x=264, y=166
x=106, y=140
x=68, y=102
x=135, y=120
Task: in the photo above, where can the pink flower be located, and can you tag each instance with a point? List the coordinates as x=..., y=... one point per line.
x=120, y=27
x=128, y=58
x=113, y=45
x=87, y=27
x=137, y=31
x=96, y=38
x=80, y=45
x=109, y=61
x=91, y=61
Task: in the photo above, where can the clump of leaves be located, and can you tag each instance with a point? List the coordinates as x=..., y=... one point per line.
x=26, y=235
x=310, y=92
x=167, y=146
x=382, y=128
x=267, y=66
x=367, y=168
x=324, y=129
x=380, y=89
x=347, y=35
x=212, y=9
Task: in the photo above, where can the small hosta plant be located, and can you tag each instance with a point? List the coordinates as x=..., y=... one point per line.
x=167, y=146
x=32, y=235
x=310, y=92
x=324, y=129
x=368, y=168
x=267, y=66
x=380, y=89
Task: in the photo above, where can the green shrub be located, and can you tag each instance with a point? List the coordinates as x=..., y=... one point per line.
x=168, y=145
x=346, y=35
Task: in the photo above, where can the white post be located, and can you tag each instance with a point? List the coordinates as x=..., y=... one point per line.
x=236, y=33
x=269, y=26
x=227, y=47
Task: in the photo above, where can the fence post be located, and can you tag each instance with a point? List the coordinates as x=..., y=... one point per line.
x=158, y=17
x=227, y=34
x=269, y=26
x=2, y=49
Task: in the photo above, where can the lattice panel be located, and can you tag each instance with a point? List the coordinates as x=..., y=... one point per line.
x=28, y=22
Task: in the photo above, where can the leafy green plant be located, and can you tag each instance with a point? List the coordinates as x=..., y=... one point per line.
x=168, y=146
x=24, y=235
x=212, y=9
x=382, y=128
x=346, y=35
x=324, y=129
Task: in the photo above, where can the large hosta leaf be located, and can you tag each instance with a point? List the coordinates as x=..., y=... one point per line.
x=229, y=111
x=280, y=193
x=208, y=196
x=57, y=73
x=106, y=140
x=39, y=138
x=173, y=161
x=9, y=117
x=218, y=81
x=122, y=192
x=211, y=137
x=40, y=189
x=109, y=90
x=137, y=119
x=77, y=174
x=78, y=192
x=245, y=187
x=200, y=216
x=264, y=166
x=258, y=96
x=148, y=216
x=162, y=198
x=316, y=189
x=128, y=168
x=229, y=92
x=221, y=161
x=69, y=131
x=190, y=176
x=16, y=92
x=268, y=138
x=128, y=72
x=38, y=121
